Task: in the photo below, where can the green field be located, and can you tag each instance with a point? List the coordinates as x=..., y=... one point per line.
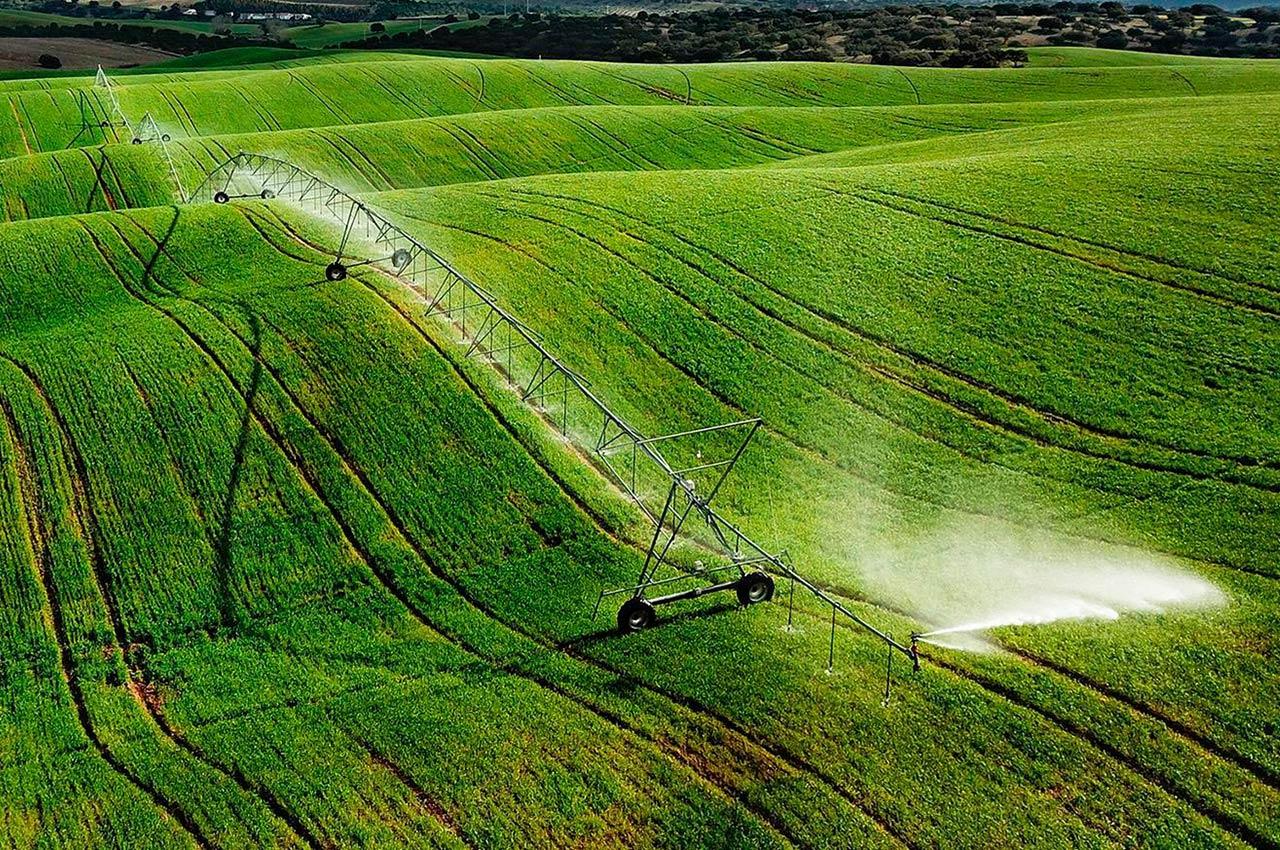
x=284, y=567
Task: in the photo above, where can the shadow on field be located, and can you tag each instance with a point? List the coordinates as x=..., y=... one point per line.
x=226, y=605
x=99, y=187
x=228, y=614
x=611, y=633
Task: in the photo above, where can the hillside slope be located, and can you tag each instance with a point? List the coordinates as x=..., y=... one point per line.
x=285, y=567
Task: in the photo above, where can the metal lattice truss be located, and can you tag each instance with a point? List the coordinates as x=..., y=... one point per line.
x=118, y=118
x=97, y=123
x=102, y=119
x=672, y=478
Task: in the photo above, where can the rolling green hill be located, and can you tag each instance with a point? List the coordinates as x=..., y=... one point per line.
x=285, y=567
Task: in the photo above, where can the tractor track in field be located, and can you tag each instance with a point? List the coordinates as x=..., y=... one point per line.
x=248, y=786
x=99, y=181
x=1265, y=776
x=820, y=455
x=62, y=172
x=1082, y=733
x=469, y=152
x=355, y=149
x=38, y=537
x=395, y=95
x=268, y=121
x=688, y=300
x=649, y=88
x=219, y=545
x=392, y=585
x=789, y=150
x=914, y=90
x=110, y=165
x=425, y=801
x=191, y=121
x=331, y=141
x=926, y=365
x=1218, y=300
x=1154, y=259
x=1230, y=824
x=745, y=740
x=1087, y=736
x=17, y=122
x=343, y=118
x=1070, y=728
x=613, y=143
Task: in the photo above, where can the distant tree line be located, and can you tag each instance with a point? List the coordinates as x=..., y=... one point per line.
x=970, y=36
x=162, y=38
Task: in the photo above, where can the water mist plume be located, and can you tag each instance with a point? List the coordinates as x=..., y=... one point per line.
x=983, y=576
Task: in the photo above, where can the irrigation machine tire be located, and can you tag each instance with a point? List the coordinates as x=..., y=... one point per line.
x=137, y=141
x=335, y=271
x=221, y=197
x=165, y=137
x=755, y=587
x=267, y=194
x=636, y=615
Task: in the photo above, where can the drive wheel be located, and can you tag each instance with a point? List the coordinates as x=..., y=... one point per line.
x=221, y=197
x=755, y=587
x=335, y=271
x=636, y=615
x=267, y=194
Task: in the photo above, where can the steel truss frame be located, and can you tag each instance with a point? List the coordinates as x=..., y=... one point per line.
x=561, y=395
x=95, y=116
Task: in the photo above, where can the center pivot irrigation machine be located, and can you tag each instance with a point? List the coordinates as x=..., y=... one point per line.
x=102, y=119
x=671, y=478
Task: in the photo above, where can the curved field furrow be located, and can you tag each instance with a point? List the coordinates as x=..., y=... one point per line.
x=1229, y=823
x=971, y=411
x=1243, y=830
x=246, y=784
x=1223, y=301
x=728, y=403
x=718, y=716
x=390, y=582
x=656, y=344
x=39, y=535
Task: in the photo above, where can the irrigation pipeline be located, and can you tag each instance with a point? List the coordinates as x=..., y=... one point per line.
x=541, y=378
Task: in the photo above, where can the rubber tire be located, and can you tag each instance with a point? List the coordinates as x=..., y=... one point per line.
x=754, y=588
x=267, y=194
x=165, y=137
x=636, y=615
x=137, y=141
x=221, y=197
x=400, y=258
x=335, y=271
